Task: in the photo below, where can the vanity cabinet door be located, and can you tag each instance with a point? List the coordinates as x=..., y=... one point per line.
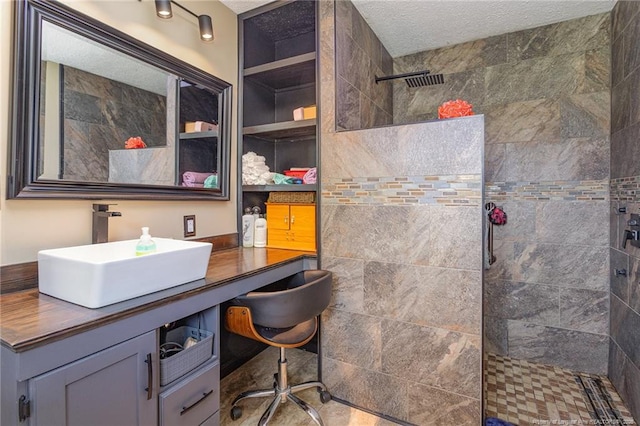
x=277, y=217
x=106, y=388
x=303, y=219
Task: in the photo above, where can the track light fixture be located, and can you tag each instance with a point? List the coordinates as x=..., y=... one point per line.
x=206, y=27
x=163, y=10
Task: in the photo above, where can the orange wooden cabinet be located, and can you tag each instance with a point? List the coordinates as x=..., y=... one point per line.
x=291, y=226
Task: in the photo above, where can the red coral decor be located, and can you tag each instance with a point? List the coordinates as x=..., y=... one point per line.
x=457, y=108
x=134, y=143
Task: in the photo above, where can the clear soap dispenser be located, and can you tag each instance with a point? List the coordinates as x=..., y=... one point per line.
x=146, y=245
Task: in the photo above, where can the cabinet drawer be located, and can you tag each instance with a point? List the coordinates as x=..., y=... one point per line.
x=193, y=400
x=213, y=420
x=303, y=245
x=291, y=240
x=280, y=239
x=277, y=236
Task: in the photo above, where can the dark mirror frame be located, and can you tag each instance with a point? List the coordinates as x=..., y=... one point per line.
x=22, y=179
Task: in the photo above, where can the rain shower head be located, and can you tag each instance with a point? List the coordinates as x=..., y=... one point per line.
x=416, y=79
x=424, y=80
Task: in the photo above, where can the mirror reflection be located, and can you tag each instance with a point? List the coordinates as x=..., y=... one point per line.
x=99, y=114
x=108, y=117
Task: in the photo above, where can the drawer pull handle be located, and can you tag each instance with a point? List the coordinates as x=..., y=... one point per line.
x=204, y=396
x=149, y=387
x=293, y=219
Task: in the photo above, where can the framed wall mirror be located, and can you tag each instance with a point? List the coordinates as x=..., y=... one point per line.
x=98, y=114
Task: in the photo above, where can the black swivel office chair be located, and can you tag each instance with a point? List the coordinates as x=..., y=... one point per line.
x=284, y=319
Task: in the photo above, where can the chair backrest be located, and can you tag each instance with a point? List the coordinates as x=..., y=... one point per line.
x=307, y=294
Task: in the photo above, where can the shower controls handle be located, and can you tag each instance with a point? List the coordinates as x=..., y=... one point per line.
x=631, y=235
x=620, y=272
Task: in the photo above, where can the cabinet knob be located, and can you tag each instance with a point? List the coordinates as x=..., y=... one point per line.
x=286, y=219
x=293, y=219
x=149, y=387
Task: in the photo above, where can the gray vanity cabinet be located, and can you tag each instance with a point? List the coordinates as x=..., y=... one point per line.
x=94, y=371
x=106, y=388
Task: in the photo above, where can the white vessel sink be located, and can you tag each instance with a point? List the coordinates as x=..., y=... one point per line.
x=101, y=274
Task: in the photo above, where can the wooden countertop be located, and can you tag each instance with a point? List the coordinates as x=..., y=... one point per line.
x=29, y=318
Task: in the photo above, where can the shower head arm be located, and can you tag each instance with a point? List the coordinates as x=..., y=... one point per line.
x=405, y=75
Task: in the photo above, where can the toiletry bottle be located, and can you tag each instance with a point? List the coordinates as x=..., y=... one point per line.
x=247, y=228
x=146, y=245
x=255, y=210
x=260, y=233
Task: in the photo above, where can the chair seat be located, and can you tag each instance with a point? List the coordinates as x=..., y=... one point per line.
x=290, y=335
x=285, y=319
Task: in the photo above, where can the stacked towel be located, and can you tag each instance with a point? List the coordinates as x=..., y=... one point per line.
x=194, y=179
x=254, y=170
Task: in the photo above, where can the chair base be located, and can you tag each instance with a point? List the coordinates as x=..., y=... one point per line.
x=282, y=392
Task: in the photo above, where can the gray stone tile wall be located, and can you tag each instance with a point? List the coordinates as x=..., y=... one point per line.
x=402, y=335
x=99, y=116
x=360, y=57
x=149, y=166
x=624, y=346
x=625, y=376
x=557, y=346
x=545, y=93
x=406, y=311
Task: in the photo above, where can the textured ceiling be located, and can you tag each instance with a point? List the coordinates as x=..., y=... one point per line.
x=64, y=47
x=409, y=26
x=287, y=21
x=241, y=6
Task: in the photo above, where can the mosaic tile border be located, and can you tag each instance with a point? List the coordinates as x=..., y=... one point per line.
x=561, y=190
x=465, y=190
x=451, y=190
x=625, y=189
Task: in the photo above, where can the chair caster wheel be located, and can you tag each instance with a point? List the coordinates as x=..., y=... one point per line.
x=325, y=397
x=236, y=413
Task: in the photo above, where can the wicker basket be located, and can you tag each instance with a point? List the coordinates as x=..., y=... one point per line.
x=178, y=365
x=292, y=197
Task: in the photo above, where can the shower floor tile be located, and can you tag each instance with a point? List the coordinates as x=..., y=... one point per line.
x=526, y=393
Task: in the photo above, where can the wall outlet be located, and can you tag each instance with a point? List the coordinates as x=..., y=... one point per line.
x=190, y=226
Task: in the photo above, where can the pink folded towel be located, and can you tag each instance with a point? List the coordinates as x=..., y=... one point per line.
x=193, y=185
x=310, y=176
x=194, y=177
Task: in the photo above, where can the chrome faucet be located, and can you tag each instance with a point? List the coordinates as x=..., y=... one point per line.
x=101, y=215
